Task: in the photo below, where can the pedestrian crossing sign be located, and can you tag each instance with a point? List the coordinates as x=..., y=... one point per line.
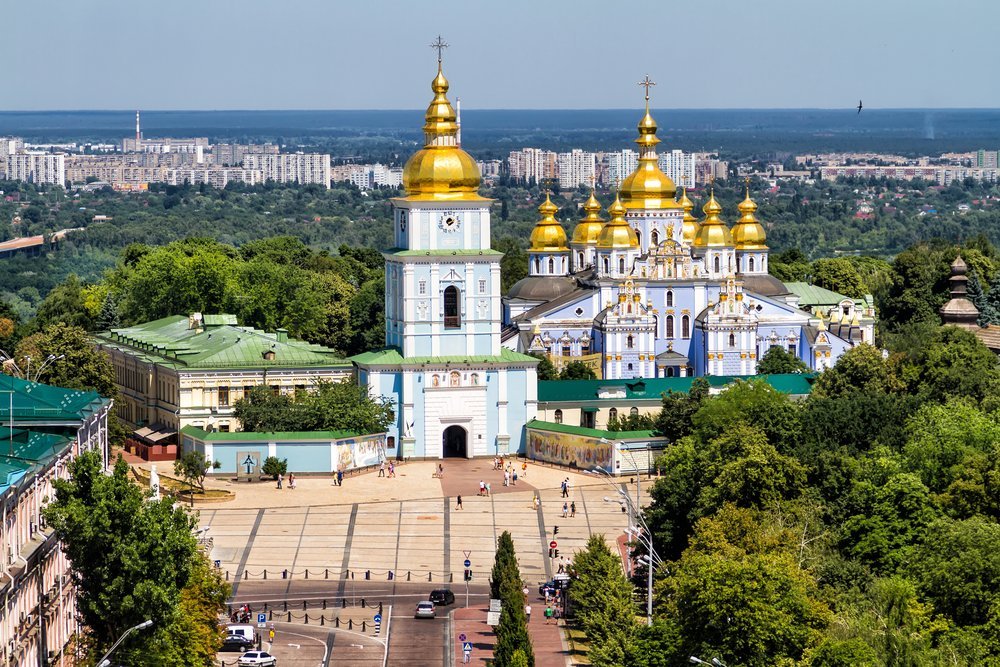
x=467, y=647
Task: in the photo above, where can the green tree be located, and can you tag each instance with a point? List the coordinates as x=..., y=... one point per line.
x=952, y=363
x=674, y=421
x=197, y=634
x=843, y=653
x=577, y=370
x=860, y=368
x=328, y=406
x=755, y=403
x=514, y=264
x=131, y=558
x=776, y=361
x=193, y=467
x=274, y=466
x=76, y=363
x=942, y=438
x=546, y=371
x=839, y=275
x=65, y=303
x=602, y=597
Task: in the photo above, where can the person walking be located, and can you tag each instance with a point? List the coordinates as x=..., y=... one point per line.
x=482, y=487
x=392, y=469
x=534, y=503
x=524, y=469
x=279, y=480
x=381, y=469
x=572, y=509
x=513, y=478
x=565, y=493
x=548, y=614
x=565, y=510
x=489, y=488
x=527, y=613
x=506, y=478
x=340, y=477
x=441, y=470
x=291, y=480
x=458, y=503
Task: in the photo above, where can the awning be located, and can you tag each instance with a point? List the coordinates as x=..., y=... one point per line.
x=588, y=409
x=155, y=433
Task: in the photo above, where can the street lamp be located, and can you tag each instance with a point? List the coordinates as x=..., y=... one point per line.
x=106, y=660
x=639, y=532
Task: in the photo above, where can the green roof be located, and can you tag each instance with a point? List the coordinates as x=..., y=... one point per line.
x=36, y=403
x=812, y=295
x=217, y=343
x=401, y=252
x=391, y=356
x=651, y=389
x=21, y=450
x=591, y=432
x=243, y=436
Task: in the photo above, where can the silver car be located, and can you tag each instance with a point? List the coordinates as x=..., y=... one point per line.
x=258, y=659
x=424, y=610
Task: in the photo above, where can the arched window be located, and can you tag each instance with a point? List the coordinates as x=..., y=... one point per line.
x=621, y=265
x=538, y=265
x=629, y=342
x=552, y=266
x=455, y=379
x=718, y=264
x=670, y=298
x=732, y=340
x=607, y=265
x=558, y=416
x=670, y=326
x=751, y=265
x=685, y=327
x=634, y=412
x=585, y=346
x=730, y=263
x=566, y=349
x=452, y=316
x=670, y=371
x=580, y=264
x=612, y=414
x=654, y=239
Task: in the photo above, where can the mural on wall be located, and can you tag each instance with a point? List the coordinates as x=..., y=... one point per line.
x=569, y=450
x=359, y=452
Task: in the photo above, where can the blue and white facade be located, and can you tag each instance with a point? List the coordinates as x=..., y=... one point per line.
x=457, y=391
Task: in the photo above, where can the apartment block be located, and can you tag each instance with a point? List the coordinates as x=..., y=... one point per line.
x=291, y=167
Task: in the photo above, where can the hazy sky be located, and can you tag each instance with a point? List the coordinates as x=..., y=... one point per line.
x=367, y=54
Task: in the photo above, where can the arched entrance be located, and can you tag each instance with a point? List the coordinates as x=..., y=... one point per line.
x=453, y=442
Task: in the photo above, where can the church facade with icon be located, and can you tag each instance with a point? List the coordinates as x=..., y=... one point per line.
x=653, y=291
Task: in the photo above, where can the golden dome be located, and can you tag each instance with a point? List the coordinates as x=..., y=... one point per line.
x=441, y=170
x=690, y=226
x=548, y=235
x=713, y=232
x=617, y=233
x=748, y=233
x=648, y=187
x=590, y=226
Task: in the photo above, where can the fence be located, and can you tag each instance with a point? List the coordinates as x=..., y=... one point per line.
x=327, y=573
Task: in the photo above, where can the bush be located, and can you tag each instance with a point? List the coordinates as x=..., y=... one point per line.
x=274, y=466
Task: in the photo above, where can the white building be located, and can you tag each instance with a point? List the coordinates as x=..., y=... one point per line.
x=40, y=168
x=217, y=177
x=577, y=168
x=292, y=167
x=620, y=165
x=532, y=165
x=680, y=167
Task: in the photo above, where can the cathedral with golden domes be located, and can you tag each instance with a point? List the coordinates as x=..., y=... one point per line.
x=655, y=292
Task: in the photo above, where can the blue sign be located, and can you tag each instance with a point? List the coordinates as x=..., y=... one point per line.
x=468, y=563
x=378, y=618
x=461, y=637
x=262, y=618
x=467, y=647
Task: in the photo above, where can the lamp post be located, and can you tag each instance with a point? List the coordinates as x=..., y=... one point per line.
x=106, y=660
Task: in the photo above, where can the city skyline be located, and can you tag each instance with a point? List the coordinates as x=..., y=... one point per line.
x=313, y=55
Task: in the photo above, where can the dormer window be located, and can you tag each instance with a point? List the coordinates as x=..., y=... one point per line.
x=268, y=355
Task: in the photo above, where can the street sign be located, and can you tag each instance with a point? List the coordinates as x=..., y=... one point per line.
x=378, y=618
x=495, y=605
x=461, y=637
x=468, y=563
x=493, y=618
x=553, y=544
x=467, y=647
x=261, y=620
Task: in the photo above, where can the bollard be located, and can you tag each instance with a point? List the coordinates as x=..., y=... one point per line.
x=322, y=620
x=324, y=603
x=368, y=575
x=430, y=576
x=303, y=605
x=380, y=608
x=307, y=619
x=343, y=603
x=336, y=621
x=284, y=574
x=245, y=573
x=289, y=617
x=307, y=573
x=270, y=615
x=451, y=577
x=350, y=624
x=284, y=605
x=230, y=610
x=265, y=575
x=390, y=575
x=407, y=575
x=227, y=575
x=265, y=606
x=326, y=574
x=362, y=626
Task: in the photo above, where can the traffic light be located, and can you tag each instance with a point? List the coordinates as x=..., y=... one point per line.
x=555, y=530
x=557, y=553
x=468, y=574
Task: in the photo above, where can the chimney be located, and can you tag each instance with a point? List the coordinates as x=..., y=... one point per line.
x=281, y=335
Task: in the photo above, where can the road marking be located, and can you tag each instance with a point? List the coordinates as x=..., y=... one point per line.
x=447, y=535
x=545, y=544
x=296, y=645
x=305, y=522
x=246, y=552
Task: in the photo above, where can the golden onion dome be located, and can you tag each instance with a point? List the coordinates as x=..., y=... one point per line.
x=748, y=233
x=690, y=225
x=590, y=225
x=548, y=235
x=441, y=170
x=617, y=233
x=648, y=187
x=713, y=232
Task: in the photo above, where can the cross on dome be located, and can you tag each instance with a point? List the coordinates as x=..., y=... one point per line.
x=646, y=83
x=440, y=45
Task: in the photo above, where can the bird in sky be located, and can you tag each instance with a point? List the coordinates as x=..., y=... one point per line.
x=860, y=106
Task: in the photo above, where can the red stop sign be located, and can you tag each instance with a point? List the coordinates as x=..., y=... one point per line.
x=553, y=544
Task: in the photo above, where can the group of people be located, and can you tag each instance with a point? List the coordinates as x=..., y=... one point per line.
x=291, y=480
x=382, y=469
x=241, y=615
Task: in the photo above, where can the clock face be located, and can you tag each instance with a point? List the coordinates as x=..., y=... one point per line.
x=448, y=221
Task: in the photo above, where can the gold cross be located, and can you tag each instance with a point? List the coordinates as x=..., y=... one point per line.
x=440, y=45
x=646, y=83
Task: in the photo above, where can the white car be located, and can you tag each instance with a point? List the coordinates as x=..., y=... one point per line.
x=424, y=610
x=258, y=659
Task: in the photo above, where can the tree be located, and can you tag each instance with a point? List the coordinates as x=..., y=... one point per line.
x=953, y=362
x=514, y=264
x=843, y=653
x=546, y=371
x=131, y=558
x=776, y=361
x=274, y=466
x=602, y=597
x=198, y=633
x=192, y=467
x=974, y=290
x=76, y=363
x=674, y=421
x=839, y=275
x=860, y=368
x=65, y=303
x=512, y=631
x=577, y=370
x=941, y=439
x=755, y=403
x=329, y=406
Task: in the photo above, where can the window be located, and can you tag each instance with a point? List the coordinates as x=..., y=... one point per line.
x=634, y=412
x=751, y=265
x=482, y=287
x=558, y=416
x=612, y=414
x=670, y=371
x=390, y=442
x=538, y=265
x=422, y=287
x=275, y=390
x=223, y=428
x=452, y=318
x=732, y=340
x=223, y=395
x=717, y=265
x=585, y=347
x=791, y=348
x=654, y=239
x=246, y=391
x=435, y=380
x=566, y=349
x=670, y=326
x=580, y=260
x=670, y=298
x=685, y=327
x=621, y=265
x=552, y=266
x=629, y=342
x=607, y=265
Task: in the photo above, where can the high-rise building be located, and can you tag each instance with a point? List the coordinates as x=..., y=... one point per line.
x=42, y=168
x=292, y=167
x=577, y=168
x=987, y=159
x=532, y=165
x=680, y=167
x=620, y=165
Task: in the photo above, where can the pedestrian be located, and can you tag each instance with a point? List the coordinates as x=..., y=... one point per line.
x=458, y=503
x=562, y=568
x=496, y=463
x=506, y=478
x=563, y=485
x=500, y=467
x=524, y=469
x=291, y=480
x=527, y=613
x=488, y=488
x=565, y=510
x=381, y=469
x=340, y=477
x=514, y=478
x=572, y=509
x=441, y=470
x=392, y=469
x=525, y=591
x=534, y=503
x=482, y=487
x=279, y=480
x=548, y=614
